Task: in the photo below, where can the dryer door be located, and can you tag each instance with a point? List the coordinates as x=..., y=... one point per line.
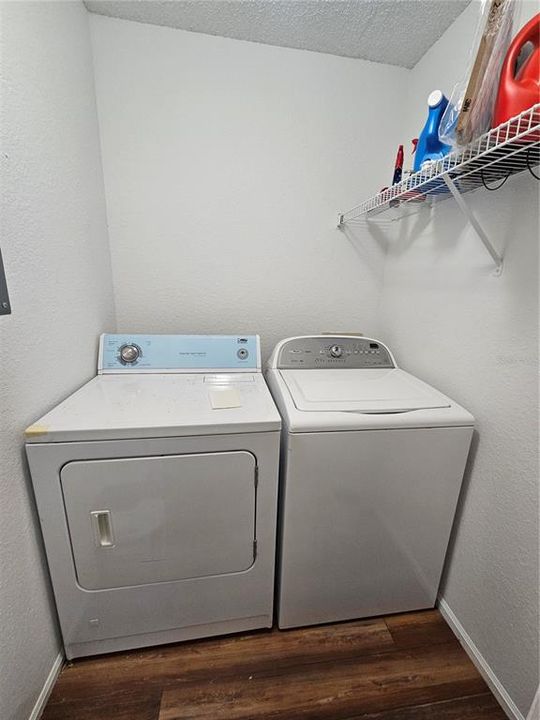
x=134, y=521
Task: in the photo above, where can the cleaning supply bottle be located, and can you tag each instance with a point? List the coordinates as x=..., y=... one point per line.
x=398, y=166
x=398, y=173
x=518, y=91
x=429, y=146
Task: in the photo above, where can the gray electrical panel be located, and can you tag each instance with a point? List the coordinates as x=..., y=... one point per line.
x=5, y=307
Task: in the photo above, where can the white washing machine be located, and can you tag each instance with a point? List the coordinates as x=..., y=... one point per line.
x=372, y=465
x=156, y=487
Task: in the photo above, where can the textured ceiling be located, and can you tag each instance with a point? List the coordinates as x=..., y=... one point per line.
x=397, y=32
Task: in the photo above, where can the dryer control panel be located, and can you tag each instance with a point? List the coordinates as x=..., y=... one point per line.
x=333, y=351
x=178, y=353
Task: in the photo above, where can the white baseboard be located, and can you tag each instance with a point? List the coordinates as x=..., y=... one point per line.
x=495, y=685
x=47, y=687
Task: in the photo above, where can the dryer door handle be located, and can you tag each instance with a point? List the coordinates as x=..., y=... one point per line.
x=102, y=526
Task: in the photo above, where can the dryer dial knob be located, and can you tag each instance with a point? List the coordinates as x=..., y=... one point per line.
x=129, y=354
x=336, y=351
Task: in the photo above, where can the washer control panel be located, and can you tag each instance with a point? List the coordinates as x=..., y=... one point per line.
x=333, y=351
x=178, y=353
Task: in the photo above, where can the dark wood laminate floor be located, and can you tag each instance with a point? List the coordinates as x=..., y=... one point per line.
x=404, y=667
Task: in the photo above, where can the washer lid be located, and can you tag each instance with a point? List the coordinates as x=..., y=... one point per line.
x=360, y=391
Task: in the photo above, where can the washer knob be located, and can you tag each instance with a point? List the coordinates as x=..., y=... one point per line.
x=336, y=351
x=129, y=354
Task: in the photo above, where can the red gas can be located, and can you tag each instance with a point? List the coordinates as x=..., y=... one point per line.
x=519, y=90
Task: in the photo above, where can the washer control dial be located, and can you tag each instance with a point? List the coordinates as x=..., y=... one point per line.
x=129, y=353
x=336, y=351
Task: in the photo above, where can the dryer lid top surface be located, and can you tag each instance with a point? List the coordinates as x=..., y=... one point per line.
x=360, y=391
x=113, y=407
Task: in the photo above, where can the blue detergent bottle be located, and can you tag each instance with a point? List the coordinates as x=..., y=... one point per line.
x=429, y=146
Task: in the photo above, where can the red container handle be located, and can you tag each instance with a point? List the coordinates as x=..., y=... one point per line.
x=511, y=100
x=528, y=33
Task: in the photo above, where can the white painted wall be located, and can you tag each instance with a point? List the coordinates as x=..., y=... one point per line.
x=475, y=336
x=225, y=165
x=54, y=242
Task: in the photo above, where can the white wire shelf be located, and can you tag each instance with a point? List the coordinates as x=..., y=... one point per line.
x=505, y=150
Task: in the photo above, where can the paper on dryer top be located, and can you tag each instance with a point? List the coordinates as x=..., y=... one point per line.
x=364, y=391
x=223, y=398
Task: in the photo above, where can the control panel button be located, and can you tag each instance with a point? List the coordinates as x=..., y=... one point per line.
x=336, y=351
x=243, y=354
x=129, y=353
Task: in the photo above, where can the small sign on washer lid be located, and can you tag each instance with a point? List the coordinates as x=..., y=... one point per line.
x=224, y=397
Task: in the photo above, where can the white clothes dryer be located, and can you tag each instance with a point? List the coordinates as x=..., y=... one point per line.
x=156, y=488
x=371, y=470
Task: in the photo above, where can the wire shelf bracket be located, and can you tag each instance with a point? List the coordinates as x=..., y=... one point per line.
x=479, y=230
x=510, y=148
